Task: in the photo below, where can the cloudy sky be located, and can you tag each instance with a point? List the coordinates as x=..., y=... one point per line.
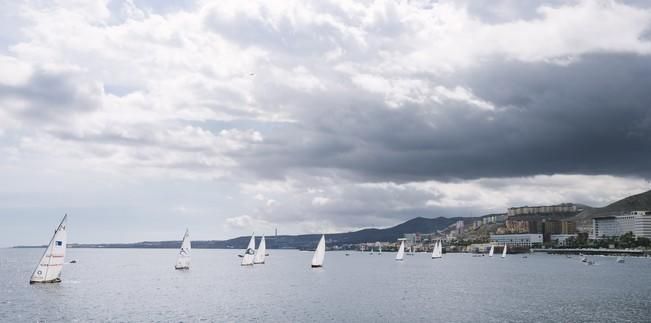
x=140, y=118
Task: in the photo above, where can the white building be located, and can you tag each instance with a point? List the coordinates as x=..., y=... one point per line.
x=637, y=222
x=519, y=240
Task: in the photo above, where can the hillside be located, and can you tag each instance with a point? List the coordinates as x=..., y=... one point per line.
x=640, y=201
x=304, y=241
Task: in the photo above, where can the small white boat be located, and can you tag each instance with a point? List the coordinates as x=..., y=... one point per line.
x=183, y=259
x=620, y=260
x=249, y=253
x=49, y=267
x=438, y=250
x=379, y=252
x=319, y=253
x=261, y=252
x=490, y=252
x=504, y=251
x=401, y=251
x=584, y=259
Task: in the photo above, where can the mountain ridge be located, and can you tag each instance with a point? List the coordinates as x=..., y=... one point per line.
x=301, y=241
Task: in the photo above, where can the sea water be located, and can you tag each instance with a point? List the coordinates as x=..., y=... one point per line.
x=141, y=285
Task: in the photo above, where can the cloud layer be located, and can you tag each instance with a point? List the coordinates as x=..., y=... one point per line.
x=317, y=115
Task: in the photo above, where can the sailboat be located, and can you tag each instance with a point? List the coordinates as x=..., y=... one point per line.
x=380, y=250
x=401, y=251
x=504, y=251
x=247, y=259
x=261, y=253
x=438, y=250
x=49, y=268
x=319, y=253
x=490, y=253
x=183, y=260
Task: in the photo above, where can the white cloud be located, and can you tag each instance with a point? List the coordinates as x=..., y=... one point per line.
x=198, y=95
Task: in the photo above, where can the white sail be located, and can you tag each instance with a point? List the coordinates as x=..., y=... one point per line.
x=51, y=264
x=183, y=260
x=504, y=251
x=490, y=253
x=247, y=260
x=438, y=250
x=380, y=251
x=319, y=253
x=261, y=252
x=401, y=251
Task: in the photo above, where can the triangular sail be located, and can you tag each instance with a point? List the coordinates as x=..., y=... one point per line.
x=183, y=260
x=261, y=252
x=490, y=253
x=504, y=251
x=401, y=251
x=438, y=250
x=247, y=260
x=319, y=253
x=49, y=268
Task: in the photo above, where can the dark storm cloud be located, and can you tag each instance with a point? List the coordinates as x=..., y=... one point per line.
x=590, y=117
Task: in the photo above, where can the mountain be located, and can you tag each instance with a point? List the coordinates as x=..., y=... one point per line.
x=635, y=202
x=304, y=241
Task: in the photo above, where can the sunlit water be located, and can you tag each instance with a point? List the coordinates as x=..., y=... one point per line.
x=142, y=285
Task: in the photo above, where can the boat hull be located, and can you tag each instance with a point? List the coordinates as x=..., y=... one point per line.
x=52, y=281
x=259, y=263
x=181, y=268
x=317, y=266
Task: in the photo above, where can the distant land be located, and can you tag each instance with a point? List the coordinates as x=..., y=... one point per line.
x=640, y=201
x=635, y=202
x=303, y=241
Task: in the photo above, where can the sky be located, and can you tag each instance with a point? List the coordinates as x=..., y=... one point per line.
x=139, y=118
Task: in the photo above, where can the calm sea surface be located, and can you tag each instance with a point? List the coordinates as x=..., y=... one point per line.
x=141, y=285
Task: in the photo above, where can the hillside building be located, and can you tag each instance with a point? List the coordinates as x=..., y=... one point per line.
x=545, y=209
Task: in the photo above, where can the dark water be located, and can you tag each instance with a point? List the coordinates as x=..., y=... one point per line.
x=141, y=285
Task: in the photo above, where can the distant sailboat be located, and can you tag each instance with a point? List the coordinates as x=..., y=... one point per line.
x=620, y=260
x=319, y=253
x=504, y=251
x=247, y=259
x=261, y=253
x=438, y=250
x=401, y=251
x=380, y=250
x=49, y=268
x=183, y=260
x=490, y=253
